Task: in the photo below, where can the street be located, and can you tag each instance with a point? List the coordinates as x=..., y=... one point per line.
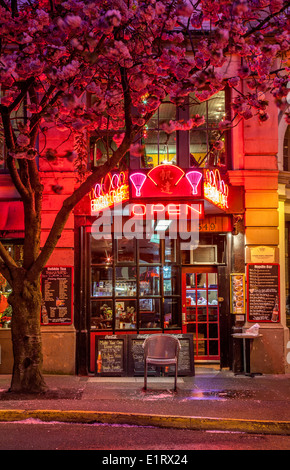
x=36, y=435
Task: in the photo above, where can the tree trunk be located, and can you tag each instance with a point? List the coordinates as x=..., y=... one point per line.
x=26, y=338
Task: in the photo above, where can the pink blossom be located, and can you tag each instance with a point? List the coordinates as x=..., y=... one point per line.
x=23, y=140
x=136, y=150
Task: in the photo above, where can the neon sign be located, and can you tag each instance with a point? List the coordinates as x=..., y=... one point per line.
x=112, y=190
x=215, y=189
x=194, y=178
x=166, y=180
x=170, y=209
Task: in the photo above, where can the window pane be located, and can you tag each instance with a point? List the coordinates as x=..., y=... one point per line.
x=101, y=315
x=159, y=146
x=172, y=317
x=216, y=109
x=170, y=250
x=149, y=281
x=149, y=251
x=171, y=280
x=149, y=313
x=125, y=282
x=101, y=251
x=125, y=314
x=101, y=282
x=125, y=250
x=198, y=148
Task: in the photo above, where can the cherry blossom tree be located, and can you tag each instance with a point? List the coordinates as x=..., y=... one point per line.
x=53, y=54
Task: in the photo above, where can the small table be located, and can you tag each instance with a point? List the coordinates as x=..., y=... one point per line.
x=247, y=339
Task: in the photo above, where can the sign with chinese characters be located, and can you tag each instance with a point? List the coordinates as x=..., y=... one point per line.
x=215, y=189
x=112, y=189
x=164, y=181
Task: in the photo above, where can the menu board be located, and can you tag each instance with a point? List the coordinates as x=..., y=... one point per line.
x=111, y=351
x=136, y=356
x=237, y=293
x=263, y=292
x=57, y=297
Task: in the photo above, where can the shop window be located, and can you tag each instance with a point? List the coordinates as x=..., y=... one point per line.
x=102, y=315
x=171, y=281
x=126, y=285
x=16, y=252
x=171, y=313
x=102, y=281
x=126, y=250
x=170, y=250
x=150, y=314
x=149, y=250
x=126, y=314
x=101, y=251
x=286, y=150
x=149, y=281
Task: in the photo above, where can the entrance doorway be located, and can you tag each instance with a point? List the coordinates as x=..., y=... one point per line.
x=200, y=311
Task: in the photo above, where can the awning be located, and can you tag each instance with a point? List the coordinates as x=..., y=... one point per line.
x=11, y=218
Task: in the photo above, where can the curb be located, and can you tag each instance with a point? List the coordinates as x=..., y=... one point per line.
x=165, y=421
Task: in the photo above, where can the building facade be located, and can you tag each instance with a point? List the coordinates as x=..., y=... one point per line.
x=191, y=239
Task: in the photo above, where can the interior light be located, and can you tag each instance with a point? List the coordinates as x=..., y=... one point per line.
x=163, y=224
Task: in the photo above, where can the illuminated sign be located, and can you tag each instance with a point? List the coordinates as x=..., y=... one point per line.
x=215, y=189
x=113, y=189
x=166, y=180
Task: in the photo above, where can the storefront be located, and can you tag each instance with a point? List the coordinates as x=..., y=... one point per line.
x=158, y=260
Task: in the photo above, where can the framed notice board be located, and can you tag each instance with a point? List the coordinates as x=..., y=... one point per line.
x=136, y=356
x=111, y=355
x=57, y=295
x=263, y=281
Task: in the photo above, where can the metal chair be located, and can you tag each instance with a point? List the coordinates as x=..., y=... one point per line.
x=161, y=350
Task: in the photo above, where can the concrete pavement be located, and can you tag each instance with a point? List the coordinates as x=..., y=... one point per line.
x=211, y=400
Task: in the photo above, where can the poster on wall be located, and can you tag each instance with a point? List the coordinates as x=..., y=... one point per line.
x=237, y=288
x=57, y=295
x=263, y=292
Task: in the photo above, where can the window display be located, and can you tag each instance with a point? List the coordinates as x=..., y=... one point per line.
x=134, y=292
x=102, y=281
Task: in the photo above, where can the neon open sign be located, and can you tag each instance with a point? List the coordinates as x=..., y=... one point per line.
x=113, y=189
x=215, y=189
x=170, y=209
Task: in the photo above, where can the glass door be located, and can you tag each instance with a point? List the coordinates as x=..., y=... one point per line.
x=201, y=311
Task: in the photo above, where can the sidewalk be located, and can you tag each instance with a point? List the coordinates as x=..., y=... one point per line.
x=213, y=399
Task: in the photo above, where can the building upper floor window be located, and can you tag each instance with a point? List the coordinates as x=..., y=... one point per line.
x=202, y=146
x=286, y=150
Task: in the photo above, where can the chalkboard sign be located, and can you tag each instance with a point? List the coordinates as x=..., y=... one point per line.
x=263, y=292
x=111, y=355
x=57, y=299
x=136, y=356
